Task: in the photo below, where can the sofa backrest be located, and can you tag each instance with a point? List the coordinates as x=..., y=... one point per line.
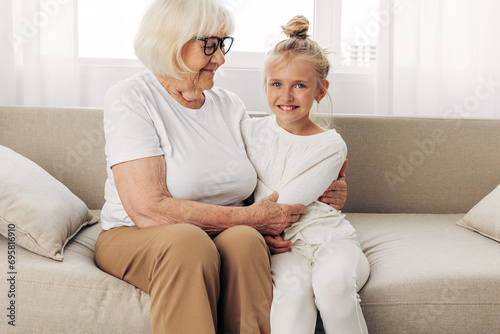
x=419, y=165
x=396, y=164
x=67, y=142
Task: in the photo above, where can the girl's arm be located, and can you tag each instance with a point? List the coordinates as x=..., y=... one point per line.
x=141, y=185
x=324, y=171
x=310, y=184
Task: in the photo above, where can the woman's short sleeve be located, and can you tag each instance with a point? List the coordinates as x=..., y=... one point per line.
x=128, y=126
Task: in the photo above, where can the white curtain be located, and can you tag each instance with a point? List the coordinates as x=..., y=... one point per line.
x=439, y=58
x=39, y=54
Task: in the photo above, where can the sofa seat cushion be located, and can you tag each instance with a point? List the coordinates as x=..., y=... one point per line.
x=428, y=275
x=74, y=296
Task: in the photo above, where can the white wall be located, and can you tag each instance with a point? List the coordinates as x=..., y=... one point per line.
x=350, y=93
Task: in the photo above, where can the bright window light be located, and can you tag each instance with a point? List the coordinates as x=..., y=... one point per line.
x=258, y=30
x=361, y=21
x=107, y=28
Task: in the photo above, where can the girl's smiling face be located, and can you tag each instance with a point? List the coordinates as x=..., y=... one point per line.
x=291, y=90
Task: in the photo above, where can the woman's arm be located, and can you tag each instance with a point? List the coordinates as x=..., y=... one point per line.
x=336, y=194
x=141, y=185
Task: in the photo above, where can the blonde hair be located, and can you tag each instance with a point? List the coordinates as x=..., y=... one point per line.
x=169, y=24
x=299, y=45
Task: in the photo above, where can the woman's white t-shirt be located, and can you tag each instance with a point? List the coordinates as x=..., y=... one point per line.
x=203, y=149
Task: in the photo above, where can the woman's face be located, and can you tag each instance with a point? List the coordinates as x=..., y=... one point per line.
x=203, y=66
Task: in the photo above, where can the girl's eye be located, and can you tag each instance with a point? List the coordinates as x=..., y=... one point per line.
x=276, y=84
x=300, y=86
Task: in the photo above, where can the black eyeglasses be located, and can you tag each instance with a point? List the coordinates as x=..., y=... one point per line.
x=212, y=43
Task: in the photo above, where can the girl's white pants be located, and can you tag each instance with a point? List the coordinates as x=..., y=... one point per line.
x=319, y=277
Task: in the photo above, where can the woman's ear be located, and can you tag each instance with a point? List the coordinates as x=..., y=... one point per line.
x=322, y=91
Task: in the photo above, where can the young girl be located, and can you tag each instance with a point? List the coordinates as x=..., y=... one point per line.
x=292, y=155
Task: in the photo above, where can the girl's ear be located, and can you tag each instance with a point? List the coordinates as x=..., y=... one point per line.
x=322, y=91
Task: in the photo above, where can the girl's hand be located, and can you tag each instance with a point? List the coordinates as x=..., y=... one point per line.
x=271, y=218
x=336, y=194
x=276, y=244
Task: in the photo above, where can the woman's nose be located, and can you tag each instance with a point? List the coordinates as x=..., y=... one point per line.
x=218, y=57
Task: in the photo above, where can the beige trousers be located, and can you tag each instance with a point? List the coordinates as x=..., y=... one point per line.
x=195, y=282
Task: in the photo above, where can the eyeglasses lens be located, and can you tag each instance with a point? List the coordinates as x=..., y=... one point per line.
x=211, y=46
x=226, y=45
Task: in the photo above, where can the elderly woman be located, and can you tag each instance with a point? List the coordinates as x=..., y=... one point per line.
x=173, y=222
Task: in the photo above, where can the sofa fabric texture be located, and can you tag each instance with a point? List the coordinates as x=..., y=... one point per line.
x=428, y=275
x=74, y=296
x=410, y=181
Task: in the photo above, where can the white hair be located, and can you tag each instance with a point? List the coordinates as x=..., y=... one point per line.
x=169, y=24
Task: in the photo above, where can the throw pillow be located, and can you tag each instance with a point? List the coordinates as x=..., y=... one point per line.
x=37, y=211
x=484, y=217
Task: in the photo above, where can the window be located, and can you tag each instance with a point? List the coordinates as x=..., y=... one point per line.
x=107, y=28
x=360, y=27
x=346, y=27
x=257, y=30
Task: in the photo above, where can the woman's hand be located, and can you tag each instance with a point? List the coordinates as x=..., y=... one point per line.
x=336, y=194
x=276, y=244
x=272, y=218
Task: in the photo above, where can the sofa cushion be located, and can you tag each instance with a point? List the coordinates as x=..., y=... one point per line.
x=428, y=275
x=484, y=217
x=74, y=296
x=37, y=211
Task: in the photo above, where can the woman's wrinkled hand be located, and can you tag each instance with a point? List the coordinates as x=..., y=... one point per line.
x=271, y=218
x=336, y=194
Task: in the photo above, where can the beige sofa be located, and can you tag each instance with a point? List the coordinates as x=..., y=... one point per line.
x=410, y=180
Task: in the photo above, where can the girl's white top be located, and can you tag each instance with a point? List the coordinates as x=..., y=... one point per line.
x=299, y=168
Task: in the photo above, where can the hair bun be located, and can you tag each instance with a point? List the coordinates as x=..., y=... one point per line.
x=297, y=27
